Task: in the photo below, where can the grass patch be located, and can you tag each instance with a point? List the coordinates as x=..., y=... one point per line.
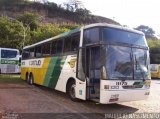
x=11, y=79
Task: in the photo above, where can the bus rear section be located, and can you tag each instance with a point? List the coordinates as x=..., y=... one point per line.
x=9, y=61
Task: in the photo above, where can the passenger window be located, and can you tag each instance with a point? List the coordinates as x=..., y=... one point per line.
x=31, y=53
x=91, y=35
x=38, y=51
x=59, y=46
x=54, y=47
x=25, y=54
x=46, y=49
x=67, y=44
x=75, y=42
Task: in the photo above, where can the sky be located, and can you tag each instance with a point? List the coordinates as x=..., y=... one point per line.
x=127, y=12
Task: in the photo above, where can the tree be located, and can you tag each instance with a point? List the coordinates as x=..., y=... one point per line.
x=46, y=31
x=11, y=34
x=149, y=32
x=83, y=12
x=30, y=20
x=7, y=3
x=68, y=7
x=73, y=5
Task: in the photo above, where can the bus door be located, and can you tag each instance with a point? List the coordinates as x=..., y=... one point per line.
x=93, y=71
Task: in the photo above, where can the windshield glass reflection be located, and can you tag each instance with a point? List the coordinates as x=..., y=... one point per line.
x=126, y=63
x=140, y=64
x=119, y=63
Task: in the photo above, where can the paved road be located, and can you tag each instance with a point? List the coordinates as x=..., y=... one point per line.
x=31, y=101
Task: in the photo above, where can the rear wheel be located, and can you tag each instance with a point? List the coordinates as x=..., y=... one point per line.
x=71, y=91
x=27, y=78
x=31, y=79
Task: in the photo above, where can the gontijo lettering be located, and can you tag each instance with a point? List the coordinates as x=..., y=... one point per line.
x=35, y=63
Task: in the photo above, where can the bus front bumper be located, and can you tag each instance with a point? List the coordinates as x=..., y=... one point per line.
x=116, y=96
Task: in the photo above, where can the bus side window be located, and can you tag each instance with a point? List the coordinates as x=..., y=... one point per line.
x=25, y=54
x=59, y=46
x=75, y=42
x=54, y=47
x=38, y=51
x=46, y=49
x=67, y=44
x=31, y=53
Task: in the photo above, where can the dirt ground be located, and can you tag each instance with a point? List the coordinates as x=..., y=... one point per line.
x=37, y=102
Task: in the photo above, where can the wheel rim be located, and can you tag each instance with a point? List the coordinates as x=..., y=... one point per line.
x=72, y=91
x=31, y=80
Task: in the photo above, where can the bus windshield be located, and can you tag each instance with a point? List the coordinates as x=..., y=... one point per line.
x=8, y=54
x=116, y=35
x=126, y=63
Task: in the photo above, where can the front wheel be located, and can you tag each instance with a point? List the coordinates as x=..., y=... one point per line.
x=72, y=92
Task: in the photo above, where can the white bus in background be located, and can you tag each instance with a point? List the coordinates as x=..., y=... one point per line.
x=9, y=61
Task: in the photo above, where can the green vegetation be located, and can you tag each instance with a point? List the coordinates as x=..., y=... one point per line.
x=12, y=30
x=10, y=34
x=153, y=44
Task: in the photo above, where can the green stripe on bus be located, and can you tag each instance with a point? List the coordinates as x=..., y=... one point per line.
x=49, y=71
x=4, y=61
x=53, y=72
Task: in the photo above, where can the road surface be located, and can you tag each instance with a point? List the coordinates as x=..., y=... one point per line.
x=25, y=101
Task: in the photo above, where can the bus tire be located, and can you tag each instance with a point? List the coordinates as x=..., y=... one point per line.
x=31, y=79
x=71, y=91
x=27, y=78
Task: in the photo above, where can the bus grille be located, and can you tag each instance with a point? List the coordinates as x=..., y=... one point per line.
x=11, y=68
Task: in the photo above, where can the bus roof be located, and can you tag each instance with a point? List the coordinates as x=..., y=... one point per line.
x=9, y=49
x=113, y=26
x=85, y=27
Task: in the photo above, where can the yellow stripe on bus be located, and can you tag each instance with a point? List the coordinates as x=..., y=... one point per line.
x=38, y=73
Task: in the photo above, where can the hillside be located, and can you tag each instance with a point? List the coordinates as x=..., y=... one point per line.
x=50, y=12
x=27, y=22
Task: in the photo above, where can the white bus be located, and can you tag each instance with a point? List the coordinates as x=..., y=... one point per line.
x=9, y=61
x=101, y=62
